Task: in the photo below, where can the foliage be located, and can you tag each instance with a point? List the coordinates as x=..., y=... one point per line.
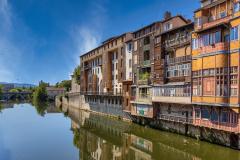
x=40, y=93
x=144, y=76
x=40, y=98
x=76, y=139
x=64, y=84
x=1, y=91
x=1, y=107
x=76, y=74
x=15, y=90
x=41, y=107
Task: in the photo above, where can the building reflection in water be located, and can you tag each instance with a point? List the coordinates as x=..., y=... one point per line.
x=103, y=138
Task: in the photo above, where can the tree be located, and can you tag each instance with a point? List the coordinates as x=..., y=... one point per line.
x=1, y=91
x=40, y=93
x=64, y=84
x=40, y=98
x=76, y=74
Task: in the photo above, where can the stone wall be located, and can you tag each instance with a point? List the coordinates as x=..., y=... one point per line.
x=201, y=133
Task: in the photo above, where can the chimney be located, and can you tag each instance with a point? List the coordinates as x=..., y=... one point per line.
x=167, y=15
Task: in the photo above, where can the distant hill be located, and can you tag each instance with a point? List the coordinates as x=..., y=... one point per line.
x=20, y=85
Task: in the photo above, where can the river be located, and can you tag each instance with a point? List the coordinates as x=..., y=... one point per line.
x=28, y=134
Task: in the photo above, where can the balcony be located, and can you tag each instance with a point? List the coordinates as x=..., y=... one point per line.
x=87, y=67
x=222, y=46
x=144, y=78
x=144, y=97
x=178, y=119
x=179, y=60
x=177, y=41
x=172, y=94
x=89, y=93
x=146, y=47
x=209, y=22
x=144, y=81
x=146, y=63
x=229, y=127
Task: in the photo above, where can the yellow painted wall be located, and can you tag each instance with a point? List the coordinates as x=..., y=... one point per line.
x=221, y=60
x=234, y=59
x=209, y=62
x=234, y=45
x=197, y=64
x=180, y=52
x=235, y=22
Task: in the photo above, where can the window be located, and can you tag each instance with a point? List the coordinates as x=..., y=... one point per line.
x=223, y=14
x=224, y=117
x=197, y=113
x=146, y=55
x=234, y=33
x=135, y=45
x=198, y=21
x=195, y=44
x=135, y=59
x=146, y=40
x=205, y=114
x=208, y=86
x=129, y=47
x=236, y=7
x=130, y=63
x=157, y=40
x=167, y=26
x=214, y=115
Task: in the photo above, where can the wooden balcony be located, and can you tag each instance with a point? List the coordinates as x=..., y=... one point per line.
x=144, y=98
x=144, y=81
x=146, y=63
x=177, y=41
x=229, y=127
x=222, y=46
x=172, y=99
x=177, y=60
x=210, y=22
x=178, y=119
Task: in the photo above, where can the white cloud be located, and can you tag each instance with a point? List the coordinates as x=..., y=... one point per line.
x=86, y=40
x=11, y=49
x=88, y=35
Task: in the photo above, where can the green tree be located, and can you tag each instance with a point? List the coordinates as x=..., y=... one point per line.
x=15, y=90
x=40, y=93
x=1, y=91
x=40, y=98
x=77, y=73
x=64, y=84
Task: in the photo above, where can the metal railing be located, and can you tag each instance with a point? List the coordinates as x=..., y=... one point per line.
x=101, y=93
x=179, y=59
x=175, y=118
x=146, y=63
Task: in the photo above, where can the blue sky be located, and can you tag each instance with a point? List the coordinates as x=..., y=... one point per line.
x=43, y=39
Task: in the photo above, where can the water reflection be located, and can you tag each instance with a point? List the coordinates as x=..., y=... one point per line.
x=102, y=138
x=86, y=136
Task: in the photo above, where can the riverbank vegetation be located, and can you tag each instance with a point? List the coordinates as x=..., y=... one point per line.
x=64, y=84
x=76, y=74
x=1, y=91
x=40, y=98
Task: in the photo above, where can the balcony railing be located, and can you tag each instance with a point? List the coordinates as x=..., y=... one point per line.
x=101, y=93
x=146, y=63
x=177, y=41
x=175, y=119
x=221, y=46
x=179, y=59
x=144, y=81
x=145, y=98
x=207, y=22
x=229, y=127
